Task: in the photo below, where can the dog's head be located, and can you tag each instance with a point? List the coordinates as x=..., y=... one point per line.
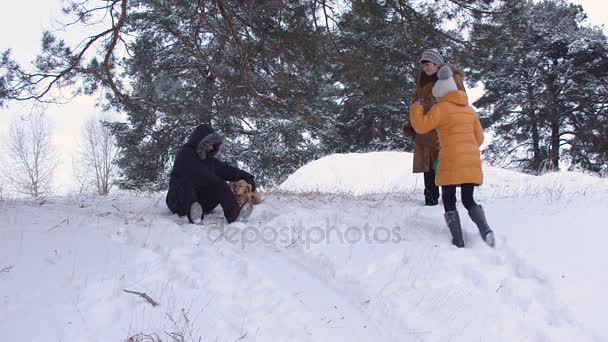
x=240, y=187
x=242, y=191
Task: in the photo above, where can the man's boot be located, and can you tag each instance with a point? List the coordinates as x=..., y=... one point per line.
x=478, y=216
x=239, y=212
x=195, y=214
x=453, y=221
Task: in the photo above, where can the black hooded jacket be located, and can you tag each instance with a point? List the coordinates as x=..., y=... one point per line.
x=190, y=166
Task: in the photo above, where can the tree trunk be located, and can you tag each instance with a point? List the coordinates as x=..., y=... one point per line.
x=537, y=157
x=555, y=141
x=554, y=117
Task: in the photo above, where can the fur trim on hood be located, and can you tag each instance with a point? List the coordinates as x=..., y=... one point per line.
x=205, y=141
x=458, y=77
x=210, y=145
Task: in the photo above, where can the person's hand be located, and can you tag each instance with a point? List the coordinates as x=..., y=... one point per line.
x=418, y=101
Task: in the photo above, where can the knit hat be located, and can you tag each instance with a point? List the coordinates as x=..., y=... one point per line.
x=445, y=82
x=433, y=56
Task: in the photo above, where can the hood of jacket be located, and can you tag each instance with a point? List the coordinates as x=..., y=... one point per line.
x=458, y=97
x=205, y=141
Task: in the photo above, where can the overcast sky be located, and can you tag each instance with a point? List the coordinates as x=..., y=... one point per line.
x=21, y=24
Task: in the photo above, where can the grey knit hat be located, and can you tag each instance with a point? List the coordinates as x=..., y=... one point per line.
x=433, y=56
x=445, y=72
x=445, y=83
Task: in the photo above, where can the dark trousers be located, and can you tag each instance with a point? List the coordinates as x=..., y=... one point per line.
x=448, y=196
x=431, y=191
x=183, y=193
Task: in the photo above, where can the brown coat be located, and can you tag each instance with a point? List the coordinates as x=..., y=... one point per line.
x=460, y=135
x=426, y=146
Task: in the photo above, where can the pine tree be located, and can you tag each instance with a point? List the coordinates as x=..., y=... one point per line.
x=375, y=72
x=251, y=71
x=285, y=81
x=589, y=144
x=536, y=88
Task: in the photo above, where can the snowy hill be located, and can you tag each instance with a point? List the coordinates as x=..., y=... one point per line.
x=381, y=172
x=353, y=258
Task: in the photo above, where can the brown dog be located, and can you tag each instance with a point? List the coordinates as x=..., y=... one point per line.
x=243, y=194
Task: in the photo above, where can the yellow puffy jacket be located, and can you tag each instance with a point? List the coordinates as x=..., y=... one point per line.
x=460, y=135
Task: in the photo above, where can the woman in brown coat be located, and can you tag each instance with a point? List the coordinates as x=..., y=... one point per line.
x=460, y=135
x=426, y=146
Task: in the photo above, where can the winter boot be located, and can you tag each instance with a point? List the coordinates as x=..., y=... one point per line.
x=478, y=216
x=453, y=221
x=239, y=213
x=429, y=202
x=431, y=191
x=195, y=215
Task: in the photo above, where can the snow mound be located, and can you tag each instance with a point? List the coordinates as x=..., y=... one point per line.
x=385, y=172
x=356, y=173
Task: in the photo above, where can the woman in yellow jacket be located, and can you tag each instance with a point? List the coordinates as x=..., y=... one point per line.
x=460, y=135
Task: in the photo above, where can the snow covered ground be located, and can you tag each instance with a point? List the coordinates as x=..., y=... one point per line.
x=343, y=251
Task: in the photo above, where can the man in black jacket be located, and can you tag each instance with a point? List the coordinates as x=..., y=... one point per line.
x=198, y=179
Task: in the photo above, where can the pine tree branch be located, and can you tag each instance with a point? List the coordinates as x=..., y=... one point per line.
x=237, y=40
x=473, y=9
x=29, y=82
x=110, y=51
x=409, y=12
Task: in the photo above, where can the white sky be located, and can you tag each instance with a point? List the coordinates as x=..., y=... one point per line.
x=21, y=24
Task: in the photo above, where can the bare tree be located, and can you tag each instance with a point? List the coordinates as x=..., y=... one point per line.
x=32, y=157
x=2, y=189
x=97, y=155
x=82, y=180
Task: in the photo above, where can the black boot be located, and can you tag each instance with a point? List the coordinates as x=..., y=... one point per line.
x=453, y=221
x=429, y=202
x=478, y=216
x=239, y=212
x=431, y=191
